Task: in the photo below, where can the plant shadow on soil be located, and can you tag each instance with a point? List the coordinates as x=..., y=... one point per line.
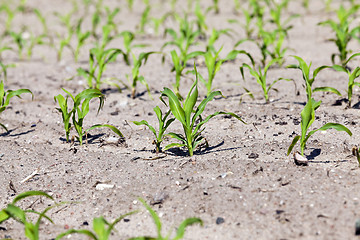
x=89, y=140
x=8, y=133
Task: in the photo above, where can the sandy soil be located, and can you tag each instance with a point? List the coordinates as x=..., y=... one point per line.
x=244, y=177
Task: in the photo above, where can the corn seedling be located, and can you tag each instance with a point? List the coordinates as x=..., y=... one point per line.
x=201, y=19
x=184, y=38
x=276, y=12
x=157, y=22
x=128, y=38
x=80, y=109
x=135, y=72
x=180, y=232
x=215, y=6
x=110, y=17
x=261, y=75
x=213, y=64
x=101, y=228
x=163, y=125
x=144, y=19
x=343, y=32
x=130, y=4
x=81, y=39
x=179, y=66
x=215, y=34
x=42, y=20
x=10, y=17
x=352, y=75
x=21, y=216
x=98, y=60
x=189, y=116
x=305, y=69
x=65, y=38
x=5, y=97
x=307, y=118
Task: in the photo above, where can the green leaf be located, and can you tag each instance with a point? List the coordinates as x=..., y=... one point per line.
x=29, y=194
x=293, y=143
x=336, y=126
x=187, y=222
x=3, y=216
x=174, y=104
x=154, y=216
x=143, y=122
x=111, y=127
x=82, y=231
x=327, y=89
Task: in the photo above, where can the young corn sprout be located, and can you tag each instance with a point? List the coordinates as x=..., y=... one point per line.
x=128, y=38
x=276, y=13
x=135, y=73
x=343, y=32
x=180, y=232
x=261, y=75
x=98, y=60
x=5, y=97
x=182, y=39
x=22, y=216
x=164, y=123
x=352, y=75
x=101, y=228
x=179, y=66
x=189, y=116
x=81, y=39
x=79, y=111
x=65, y=38
x=307, y=118
x=213, y=64
x=144, y=19
x=305, y=69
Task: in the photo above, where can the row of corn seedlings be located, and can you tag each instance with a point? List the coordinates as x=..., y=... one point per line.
x=101, y=227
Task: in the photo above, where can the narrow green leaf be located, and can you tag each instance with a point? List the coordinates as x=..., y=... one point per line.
x=293, y=143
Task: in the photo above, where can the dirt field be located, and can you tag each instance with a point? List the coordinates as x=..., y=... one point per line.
x=243, y=178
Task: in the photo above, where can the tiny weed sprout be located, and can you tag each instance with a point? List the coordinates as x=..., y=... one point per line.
x=5, y=97
x=260, y=76
x=135, y=73
x=21, y=216
x=343, y=32
x=98, y=60
x=80, y=109
x=180, y=232
x=163, y=125
x=307, y=118
x=101, y=228
x=355, y=73
x=305, y=69
x=189, y=116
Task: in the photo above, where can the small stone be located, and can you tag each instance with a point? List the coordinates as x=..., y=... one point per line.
x=85, y=223
x=220, y=220
x=300, y=160
x=357, y=227
x=253, y=155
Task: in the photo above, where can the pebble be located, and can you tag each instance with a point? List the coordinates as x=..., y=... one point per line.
x=220, y=220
